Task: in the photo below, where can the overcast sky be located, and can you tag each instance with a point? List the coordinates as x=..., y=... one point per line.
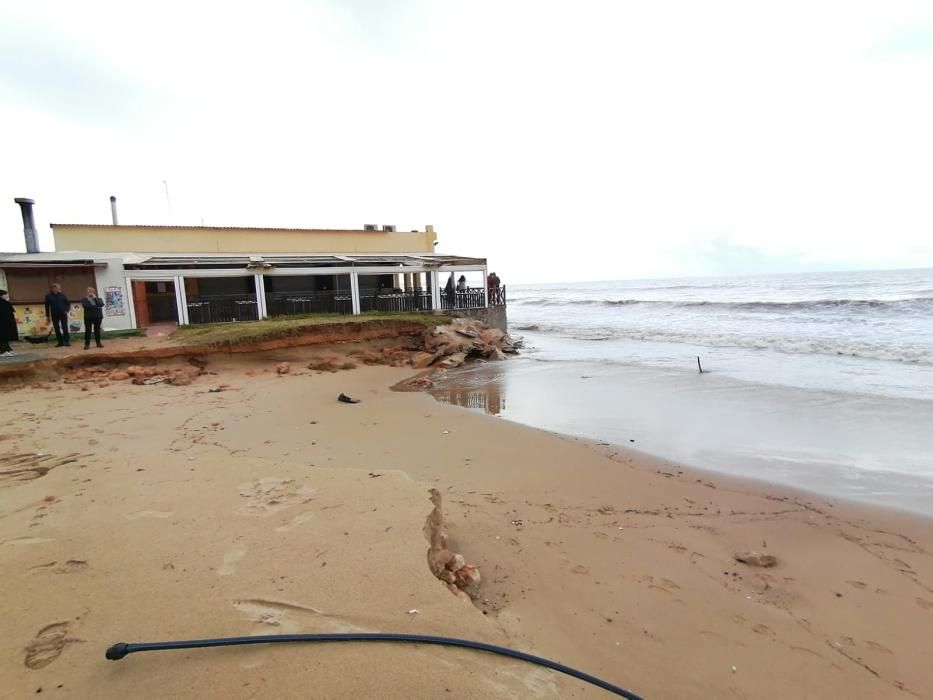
x=562, y=140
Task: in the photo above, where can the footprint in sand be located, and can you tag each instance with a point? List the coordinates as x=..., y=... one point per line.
x=157, y=514
x=17, y=468
x=27, y=540
x=763, y=629
x=295, y=522
x=271, y=494
x=228, y=568
x=72, y=566
x=924, y=603
x=806, y=652
x=48, y=645
x=580, y=569
x=291, y=618
x=874, y=646
x=858, y=584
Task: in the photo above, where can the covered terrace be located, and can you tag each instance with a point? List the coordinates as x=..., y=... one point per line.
x=218, y=288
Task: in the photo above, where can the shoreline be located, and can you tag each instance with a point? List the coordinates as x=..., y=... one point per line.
x=863, y=449
x=617, y=452
x=603, y=559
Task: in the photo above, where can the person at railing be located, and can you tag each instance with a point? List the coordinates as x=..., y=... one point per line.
x=449, y=290
x=461, y=284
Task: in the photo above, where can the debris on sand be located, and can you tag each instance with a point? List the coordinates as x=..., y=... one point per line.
x=283, y=368
x=451, y=345
x=755, y=559
x=447, y=566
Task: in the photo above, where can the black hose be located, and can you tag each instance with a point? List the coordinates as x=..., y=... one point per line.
x=121, y=649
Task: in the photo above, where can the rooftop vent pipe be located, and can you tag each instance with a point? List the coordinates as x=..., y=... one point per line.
x=29, y=224
x=113, y=210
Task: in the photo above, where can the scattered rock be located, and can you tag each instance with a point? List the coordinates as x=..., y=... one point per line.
x=142, y=379
x=492, y=336
x=451, y=361
x=119, y=376
x=283, y=368
x=183, y=376
x=420, y=360
x=755, y=559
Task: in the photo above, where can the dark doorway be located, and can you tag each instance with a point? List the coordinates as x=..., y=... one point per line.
x=154, y=302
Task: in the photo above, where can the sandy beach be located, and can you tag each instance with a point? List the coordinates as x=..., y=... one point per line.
x=148, y=513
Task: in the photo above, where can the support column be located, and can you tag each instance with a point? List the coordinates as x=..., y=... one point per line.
x=485, y=289
x=181, y=299
x=434, y=282
x=355, y=292
x=260, y=285
x=130, y=302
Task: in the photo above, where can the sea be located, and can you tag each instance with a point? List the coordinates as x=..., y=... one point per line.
x=819, y=381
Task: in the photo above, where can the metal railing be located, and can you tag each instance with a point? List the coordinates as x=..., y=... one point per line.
x=318, y=302
x=222, y=308
x=416, y=300
x=472, y=298
x=497, y=296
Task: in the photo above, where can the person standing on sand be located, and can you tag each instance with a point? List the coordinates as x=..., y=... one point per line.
x=93, y=316
x=56, y=310
x=8, y=329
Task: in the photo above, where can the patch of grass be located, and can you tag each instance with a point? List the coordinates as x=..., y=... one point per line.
x=124, y=333
x=245, y=332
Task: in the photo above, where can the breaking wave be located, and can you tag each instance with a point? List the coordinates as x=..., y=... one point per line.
x=910, y=304
x=912, y=354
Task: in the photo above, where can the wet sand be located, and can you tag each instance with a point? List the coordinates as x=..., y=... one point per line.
x=163, y=512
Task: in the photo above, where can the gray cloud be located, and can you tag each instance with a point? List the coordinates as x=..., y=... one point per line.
x=52, y=73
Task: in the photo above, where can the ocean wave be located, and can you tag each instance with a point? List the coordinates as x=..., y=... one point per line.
x=913, y=303
x=795, y=346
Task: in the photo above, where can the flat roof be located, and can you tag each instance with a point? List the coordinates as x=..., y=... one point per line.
x=221, y=260
x=233, y=228
x=305, y=260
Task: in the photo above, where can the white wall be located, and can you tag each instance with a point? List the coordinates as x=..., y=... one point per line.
x=113, y=276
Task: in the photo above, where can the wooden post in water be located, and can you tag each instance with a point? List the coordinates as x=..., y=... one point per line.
x=699, y=366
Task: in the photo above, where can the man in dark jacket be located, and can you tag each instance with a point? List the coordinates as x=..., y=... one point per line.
x=93, y=316
x=8, y=329
x=56, y=310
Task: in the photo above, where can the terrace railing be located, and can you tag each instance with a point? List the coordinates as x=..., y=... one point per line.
x=417, y=300
x=473, y=298
x=222, y=308
x=316, y=302
x=497, y=296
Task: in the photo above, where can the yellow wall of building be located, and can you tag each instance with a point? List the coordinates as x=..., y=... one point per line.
x=203, y=239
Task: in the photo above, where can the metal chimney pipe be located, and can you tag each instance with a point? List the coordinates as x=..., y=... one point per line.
x=113, y=210
x=29, y=224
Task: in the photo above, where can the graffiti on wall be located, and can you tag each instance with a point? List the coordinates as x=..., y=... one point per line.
x=31, y=320
x=76, y=318
x=113, y=298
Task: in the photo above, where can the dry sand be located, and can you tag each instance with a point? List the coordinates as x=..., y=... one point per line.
x=165, y=512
